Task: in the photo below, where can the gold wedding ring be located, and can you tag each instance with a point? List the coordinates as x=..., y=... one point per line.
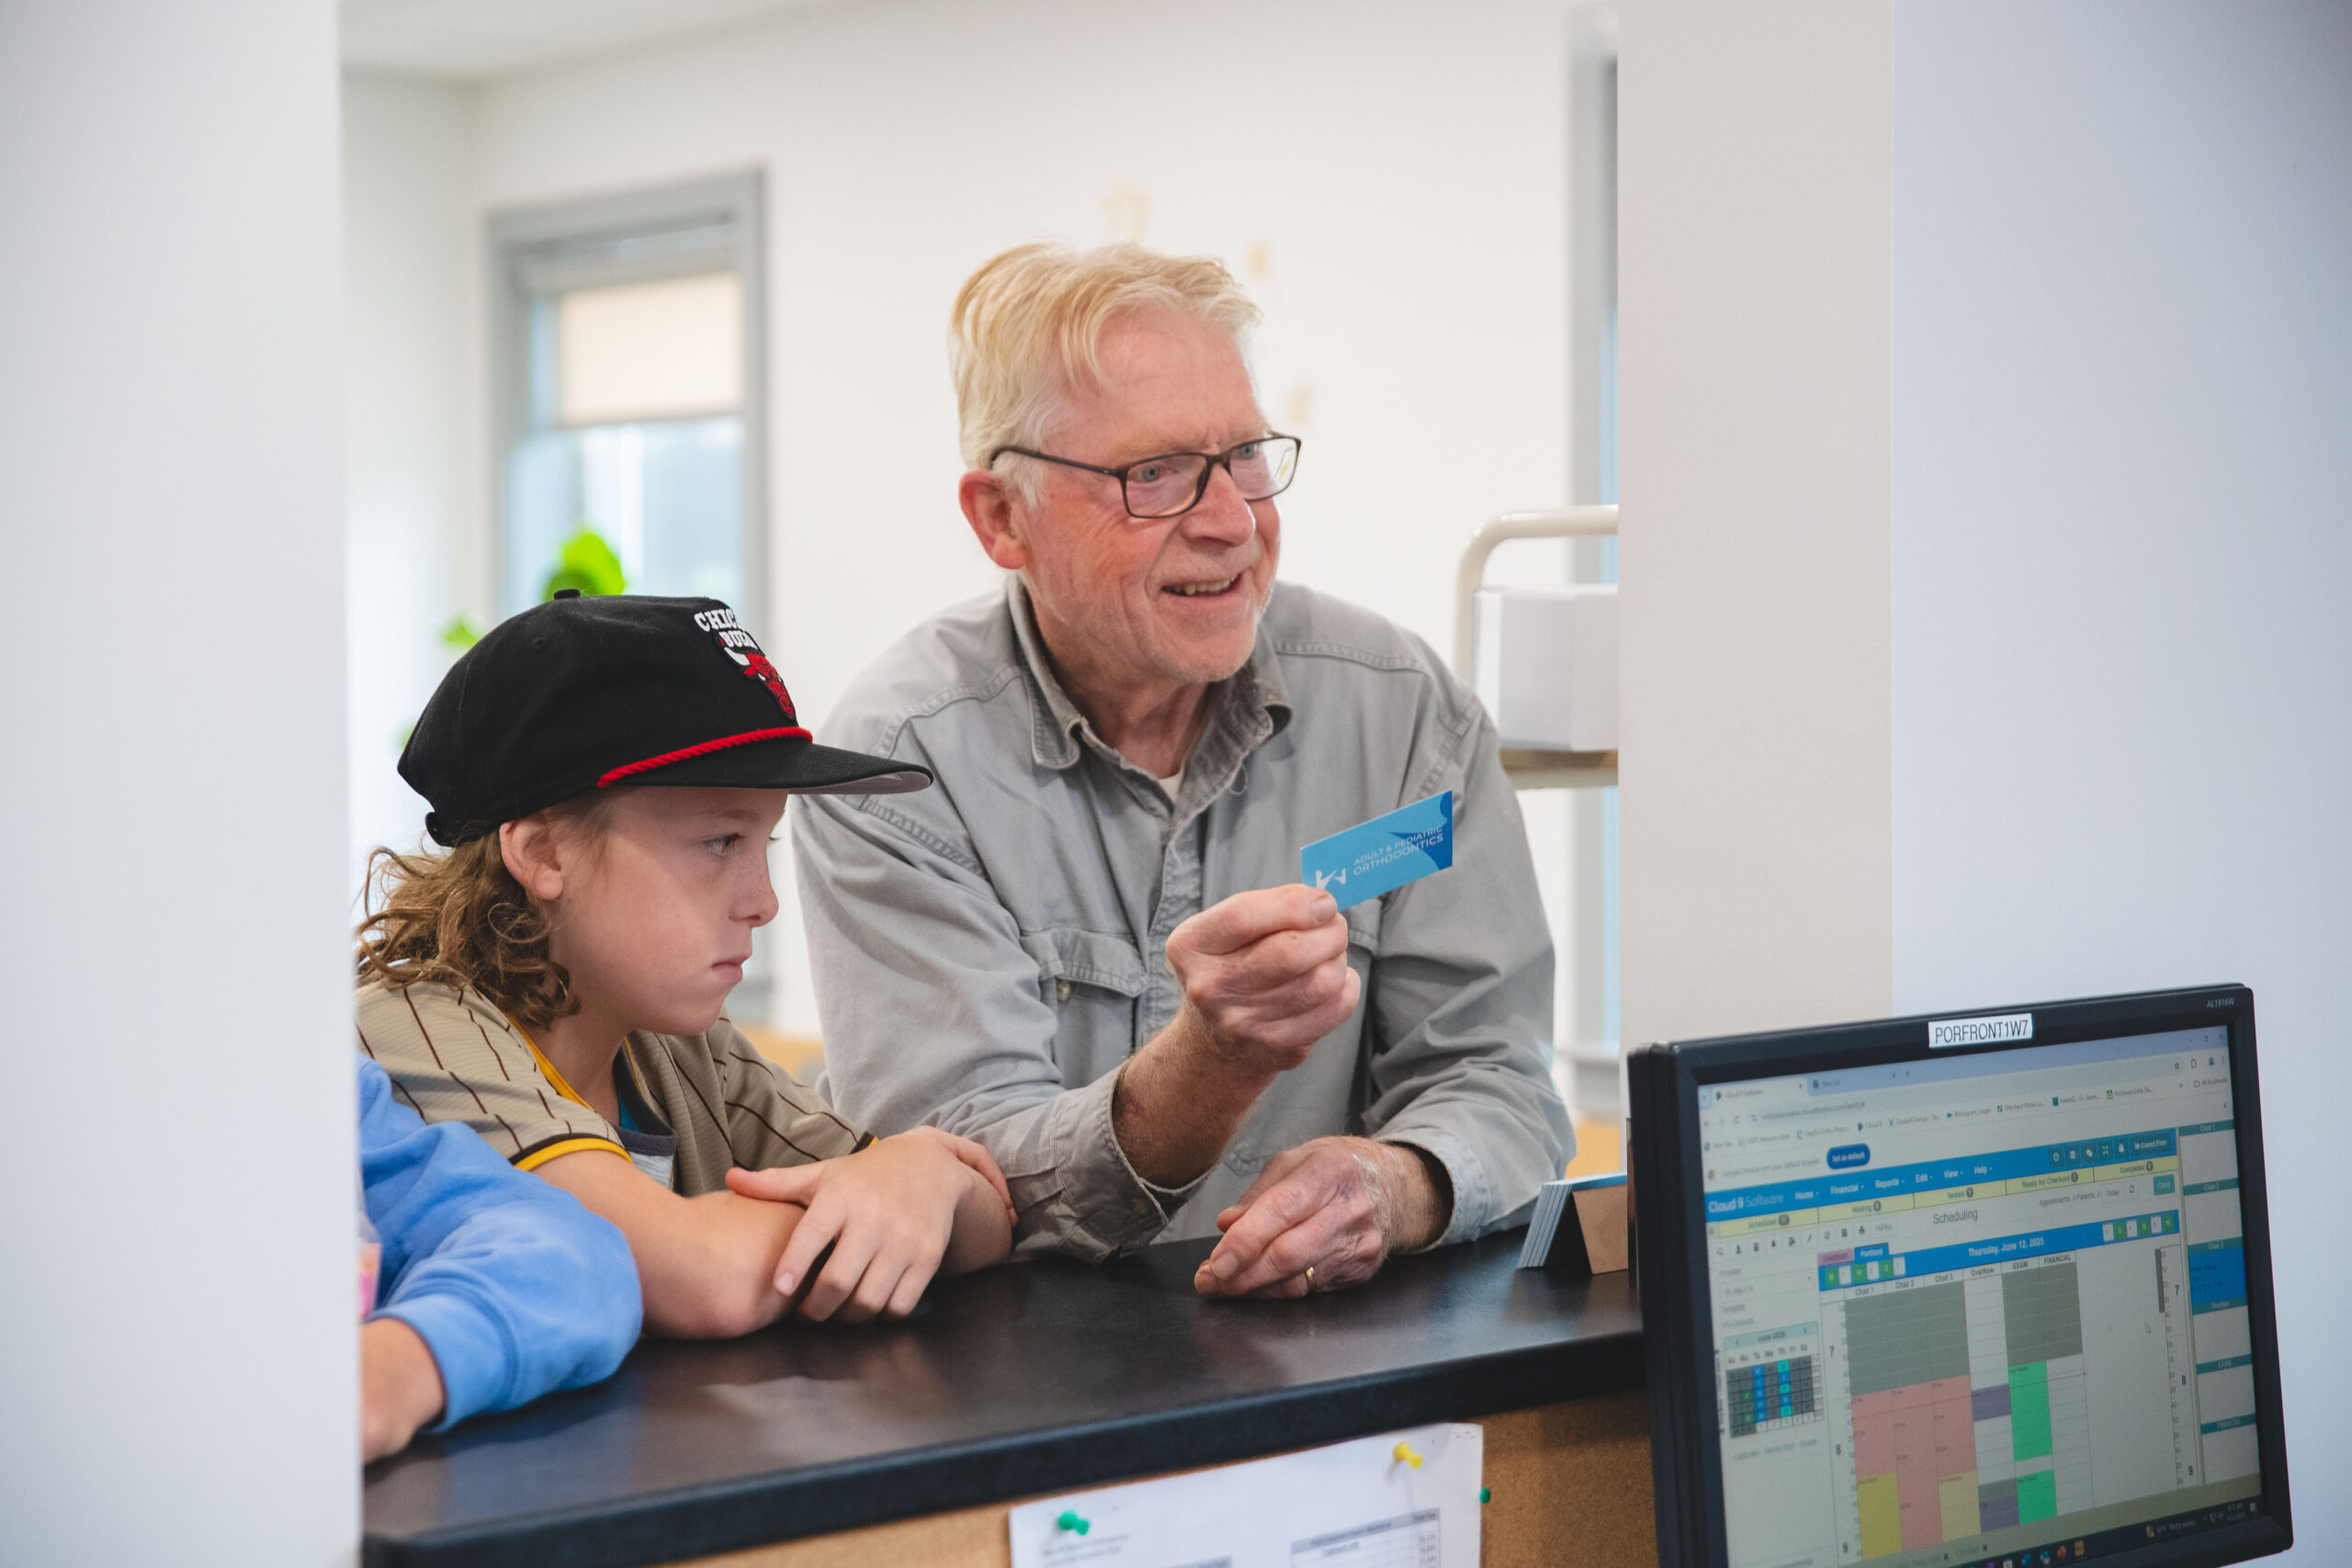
x=1310, y=1276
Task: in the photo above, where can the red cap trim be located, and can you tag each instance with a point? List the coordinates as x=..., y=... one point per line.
x=702, y=750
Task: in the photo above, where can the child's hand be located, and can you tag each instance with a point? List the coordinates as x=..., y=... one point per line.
x=400, y=1387
x=888, y=1212
x=976, y=1158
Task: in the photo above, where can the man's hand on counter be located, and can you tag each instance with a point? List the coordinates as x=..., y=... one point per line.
x=1339, y=1206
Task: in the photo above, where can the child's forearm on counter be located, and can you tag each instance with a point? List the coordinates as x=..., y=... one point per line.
x=707, y=1265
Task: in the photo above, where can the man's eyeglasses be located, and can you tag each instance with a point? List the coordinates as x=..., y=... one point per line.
x=1172, y=483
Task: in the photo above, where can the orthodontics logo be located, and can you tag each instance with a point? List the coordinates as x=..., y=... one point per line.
x=744, y=649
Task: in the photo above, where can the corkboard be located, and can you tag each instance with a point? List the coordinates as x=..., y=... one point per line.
x=1571, y=1484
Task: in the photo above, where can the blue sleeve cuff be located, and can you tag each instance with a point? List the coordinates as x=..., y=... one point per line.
x=469, y=1346
x=514, y=1287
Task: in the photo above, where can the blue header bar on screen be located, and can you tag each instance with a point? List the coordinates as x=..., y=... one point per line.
x=1940, y=1175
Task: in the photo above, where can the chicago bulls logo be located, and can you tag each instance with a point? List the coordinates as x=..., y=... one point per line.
x=758, y=667
x=744, y=649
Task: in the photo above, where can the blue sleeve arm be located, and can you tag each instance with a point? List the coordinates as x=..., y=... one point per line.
x=517, y=1289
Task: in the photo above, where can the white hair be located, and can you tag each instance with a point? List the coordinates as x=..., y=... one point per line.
x=1027, y=327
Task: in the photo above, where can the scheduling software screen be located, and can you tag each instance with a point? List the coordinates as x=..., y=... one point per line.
x=1982, y=1310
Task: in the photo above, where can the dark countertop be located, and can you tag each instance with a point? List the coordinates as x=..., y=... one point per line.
x=1036, y=1377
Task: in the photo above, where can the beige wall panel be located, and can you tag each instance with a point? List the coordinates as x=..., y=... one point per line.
x=1754, y=267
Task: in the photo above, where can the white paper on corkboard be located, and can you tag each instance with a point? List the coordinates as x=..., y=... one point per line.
x=1352, y=1504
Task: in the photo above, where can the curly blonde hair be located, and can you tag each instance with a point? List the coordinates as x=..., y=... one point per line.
x=461, y=919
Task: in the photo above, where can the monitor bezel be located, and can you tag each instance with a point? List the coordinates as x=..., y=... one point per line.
x=1663, y=1081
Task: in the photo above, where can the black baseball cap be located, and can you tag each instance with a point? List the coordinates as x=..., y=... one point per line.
x=580, y=695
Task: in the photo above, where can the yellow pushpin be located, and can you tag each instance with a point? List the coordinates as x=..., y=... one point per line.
x=1405, y=1455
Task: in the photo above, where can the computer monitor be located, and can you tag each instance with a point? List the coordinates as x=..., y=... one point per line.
x=1950, y=1292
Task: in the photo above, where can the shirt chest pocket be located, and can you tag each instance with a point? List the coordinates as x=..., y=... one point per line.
x=1092, y=980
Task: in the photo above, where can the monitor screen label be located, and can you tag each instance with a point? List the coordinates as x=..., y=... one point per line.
x=2008, y=1027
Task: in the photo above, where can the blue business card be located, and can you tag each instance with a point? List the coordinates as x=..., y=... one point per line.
x=1386, y=852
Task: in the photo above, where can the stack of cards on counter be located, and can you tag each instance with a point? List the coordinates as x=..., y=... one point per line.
x=1559, y=1235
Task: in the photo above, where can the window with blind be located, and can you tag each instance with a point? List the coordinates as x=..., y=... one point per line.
x=627, y=336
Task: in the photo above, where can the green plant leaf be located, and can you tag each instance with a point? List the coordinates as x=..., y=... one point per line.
x=461, y=633
x=587, y=564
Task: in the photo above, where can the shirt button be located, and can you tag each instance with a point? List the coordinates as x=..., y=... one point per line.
x=1061, y=991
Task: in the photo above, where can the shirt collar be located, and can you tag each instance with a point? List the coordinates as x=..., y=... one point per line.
x=1060, y=729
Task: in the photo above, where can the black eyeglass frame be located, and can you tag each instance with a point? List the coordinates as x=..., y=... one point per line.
x=1215, y=460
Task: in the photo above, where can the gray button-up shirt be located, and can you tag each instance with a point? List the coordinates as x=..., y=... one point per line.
x=989, y=952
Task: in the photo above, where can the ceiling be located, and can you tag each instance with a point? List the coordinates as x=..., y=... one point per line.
x=471, y=39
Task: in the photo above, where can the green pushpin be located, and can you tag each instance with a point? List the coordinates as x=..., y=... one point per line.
x=1486, y=1494
x=1071, y=1521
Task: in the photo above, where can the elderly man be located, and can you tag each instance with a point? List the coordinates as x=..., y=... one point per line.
x=1088, y=948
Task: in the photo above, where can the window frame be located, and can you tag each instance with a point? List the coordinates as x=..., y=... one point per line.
x=675, y=230
x=1589, y=1033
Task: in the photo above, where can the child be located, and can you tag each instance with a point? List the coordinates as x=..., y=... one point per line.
x=606, y=774
x=494, y=1289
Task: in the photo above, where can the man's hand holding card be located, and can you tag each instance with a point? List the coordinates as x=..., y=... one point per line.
x=1265, y=975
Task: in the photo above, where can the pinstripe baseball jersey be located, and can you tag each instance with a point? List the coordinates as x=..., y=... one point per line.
x=702, y=1102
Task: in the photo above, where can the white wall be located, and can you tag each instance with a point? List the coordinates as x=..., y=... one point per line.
x=417, y=494
x=2122, y=661
x=177, y=1365
x=1388, y=179
x=1987, y=429
x=1752, y=223
x=1378, y=156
